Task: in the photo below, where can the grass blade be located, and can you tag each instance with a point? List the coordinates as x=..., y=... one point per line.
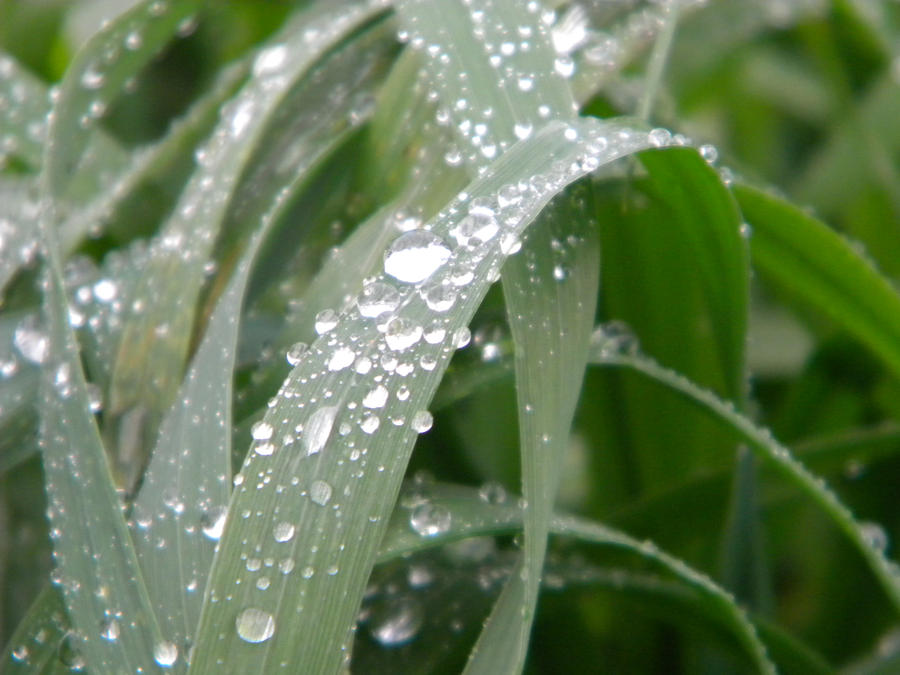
x=472, y=516
x=96, y=566
x=336, y=441
x=25, y=105
x=35, y=645
x=155, y=337
x=817, y=267
x=98, y=74
x=184, y=496
x=762, y=441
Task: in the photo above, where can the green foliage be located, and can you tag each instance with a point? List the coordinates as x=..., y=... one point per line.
x=321, y=320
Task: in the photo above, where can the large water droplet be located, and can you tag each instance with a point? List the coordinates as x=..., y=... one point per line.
x=415, y=256
x=422, y=421
x=261, y=431
x=376, y=398
x=284, y=531
x=326, y=320
x=255, y=625
x=429, y=520
x=341, y=358
x=318, y=429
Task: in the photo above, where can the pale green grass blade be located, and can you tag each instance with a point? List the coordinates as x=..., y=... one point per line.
x=18, y=392
x=821, y=270
x=156, y=335
x=180, y=510
x=34, y=647
x=25, y=105
x=147, y=163
x=607, y=353
x=18, y=212
x=473, y=514
x=96, y=566
x=330, y=453
x=551, y=292
x=501, y=61
x=98, y=75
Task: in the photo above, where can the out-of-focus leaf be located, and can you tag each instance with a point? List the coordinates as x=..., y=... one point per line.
x=25, y=105
x=35, y=645
x=815, y=266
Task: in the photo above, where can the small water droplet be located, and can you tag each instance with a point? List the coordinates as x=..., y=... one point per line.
x=212, y=522
x=402, y=333
x=709, y=153
x=492, y=492
x=377, y=298
x=165, y=654
x=284, y=531
x=341, y=358
x=414, y=256
x=318, y=429
x=376, y=398
x=320, y=492
x=295, y=353
x=326, y=320
x=429, y=520
x=261, y=431
x=109, y=630
x=270, y=60
x=422, y=421
x=255, y=625
x=398, y=623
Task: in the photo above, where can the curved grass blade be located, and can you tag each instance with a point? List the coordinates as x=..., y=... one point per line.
x=762, y=441
x=813, y=264
x=472, y=515
x=18, y=211
x=25, y=105
x=328, y=459
x=98, y=74
x=35, y=645
x=509, y=87
x=155, y=337
x=96, y=566
x=180, y=510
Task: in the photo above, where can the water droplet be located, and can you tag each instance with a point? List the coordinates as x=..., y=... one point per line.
x=109, y=630
x=523, y=131
x=875, y=535
x=255, y=625
x=165, y=654
x=320, y=492
x=341, y=358
x=369, y=423
x=422, y=421
x=429, y=520
x=376, y=398
x=284, y=531
x=241, y=118
x=414, y=256
x=492, y=492
x=92, y=78
x=133, y=40
x=402, y=334
x=326, y=320
x=439, y=296
x=20, y=654
x=615, y=337
x=261, y=431
x=709, y=153
x=318, y=429
x=461, y=337
x=295, y=353
x=33, y=344
x=270, y=60
x=377, y=298
x=659, y=137
x=398, y=623
x=479, y=226
x=564, y=66
x=212, y=522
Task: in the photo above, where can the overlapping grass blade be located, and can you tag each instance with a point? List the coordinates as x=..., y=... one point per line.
x=156, y=334
x=761, y=440
x=18, y=211
x=35, y=645
x=328, y=459
x=472, y=516
x=473, y=56
x=25, y=105
x=96, y=566
x=821, y=270
x=180, y=510
x=98, y=74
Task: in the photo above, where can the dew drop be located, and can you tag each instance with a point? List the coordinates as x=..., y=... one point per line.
x=212, y=522
x=295, y=353
x=270, y=60
x=320, y=492
x=414, y=256
x=369, y=423
x=402, y=334
x=284, y=531
x=492, y=492
x=376, y=398
x=377, y=298
x=33, y=344
x=479, y=226
x=341, y=358
x=109, y=630
x=398, y=624
x=255, y=625
x=326, y=320
x=421, y=421
x=429, y=520
x=318, y=429
x=165, y=654
x=709, y=153
x=261, y=431
x=439, y=296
